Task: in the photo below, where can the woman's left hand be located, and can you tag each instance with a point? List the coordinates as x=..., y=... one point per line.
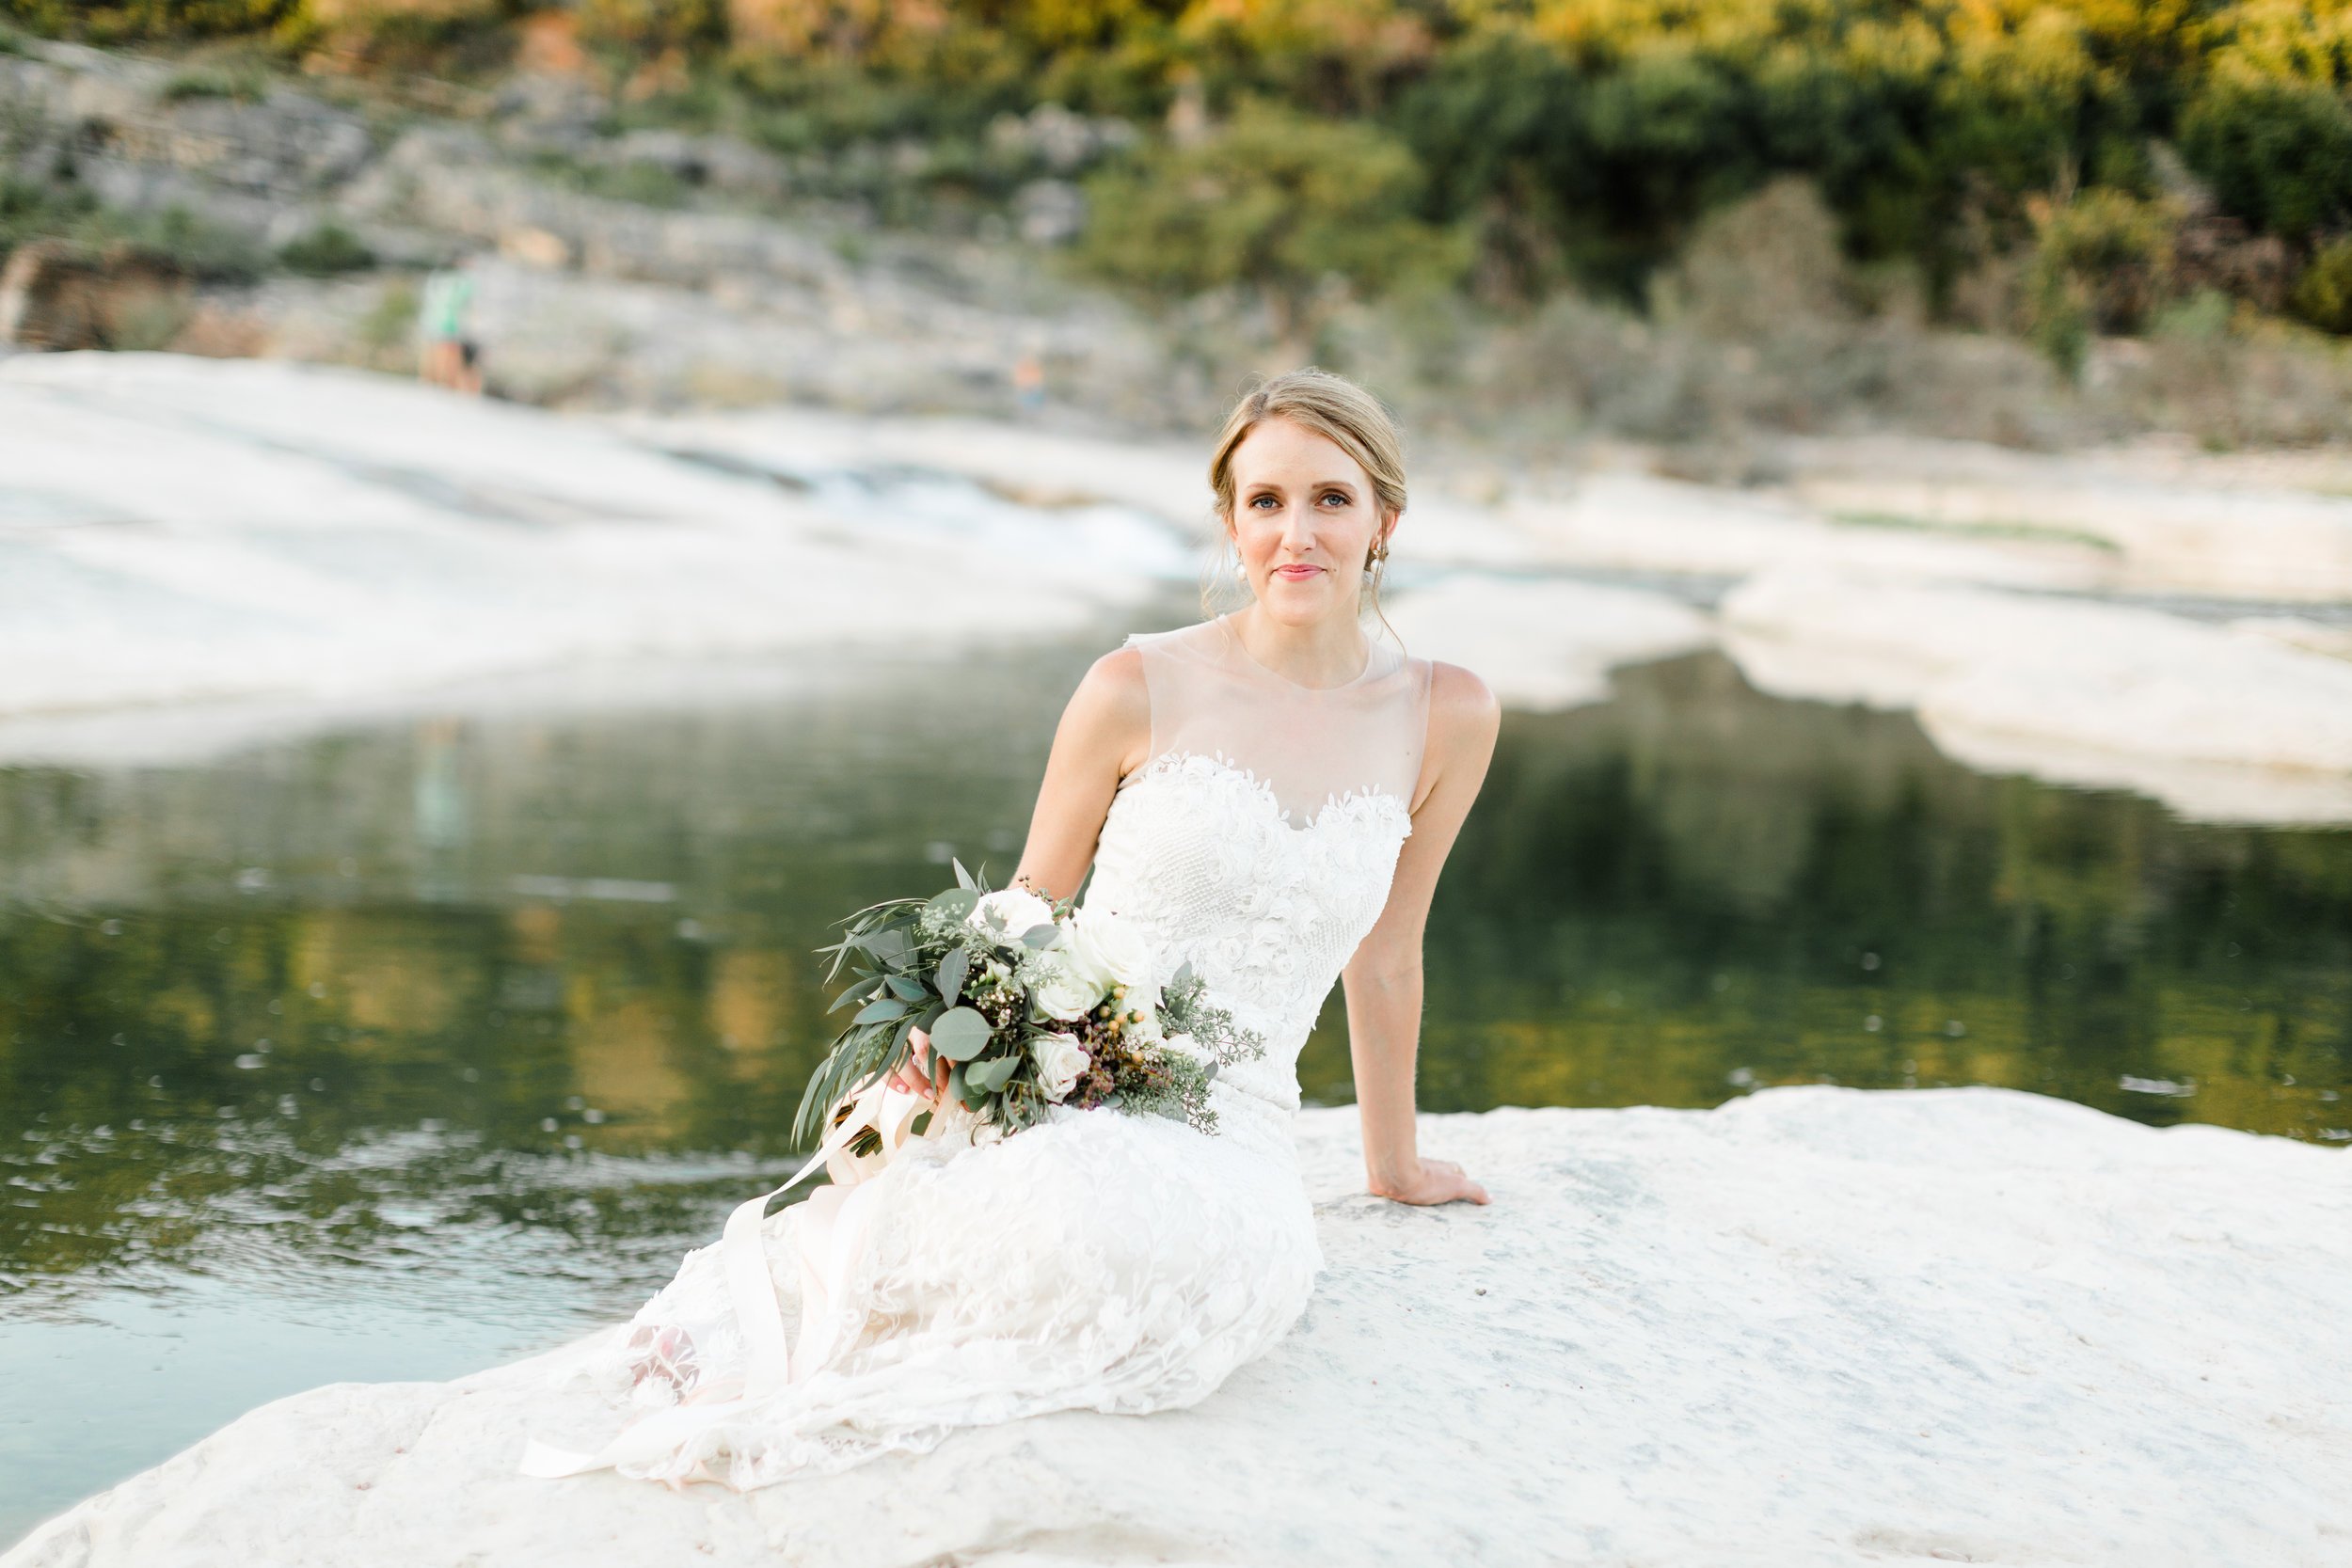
x=924, y=1082
x=1431, y=1182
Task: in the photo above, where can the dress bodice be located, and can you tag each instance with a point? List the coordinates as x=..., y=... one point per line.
x=1258, y=840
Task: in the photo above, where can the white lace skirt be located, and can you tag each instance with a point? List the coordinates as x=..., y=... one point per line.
x=1102, y=1261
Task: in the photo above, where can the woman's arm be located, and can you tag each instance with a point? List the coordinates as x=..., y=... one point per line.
x=1382, y=979
x=1102, y=735
x=1104, y=731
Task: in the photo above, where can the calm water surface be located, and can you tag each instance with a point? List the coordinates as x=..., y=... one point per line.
x=397, y=1052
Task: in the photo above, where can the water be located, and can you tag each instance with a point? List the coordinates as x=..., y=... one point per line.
x=400, y=1050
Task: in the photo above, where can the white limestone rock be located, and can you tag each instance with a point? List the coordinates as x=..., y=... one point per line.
x=1815, y=1326
x=2214, y=723
x=1545, y=644
x=2246, y=525
x=186, y=531
x=1639, y=522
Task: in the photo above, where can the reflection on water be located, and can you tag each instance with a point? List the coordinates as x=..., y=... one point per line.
x=398, y=1051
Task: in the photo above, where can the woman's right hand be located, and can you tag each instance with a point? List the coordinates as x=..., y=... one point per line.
x=922, y=1074
x=1429, y=1182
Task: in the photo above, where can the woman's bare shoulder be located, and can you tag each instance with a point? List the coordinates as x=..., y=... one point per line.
x=1464, y=713
x=1109, y=715
x=1115, y=684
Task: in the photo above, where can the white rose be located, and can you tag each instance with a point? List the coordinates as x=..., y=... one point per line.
x=1008, y=911
x=1059, y=989
x=1060, y=1059
x=1115, y=953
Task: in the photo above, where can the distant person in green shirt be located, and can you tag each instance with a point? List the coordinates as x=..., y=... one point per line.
x=449, y=356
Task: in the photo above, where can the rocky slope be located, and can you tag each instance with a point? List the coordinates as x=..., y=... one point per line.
x=733, y=275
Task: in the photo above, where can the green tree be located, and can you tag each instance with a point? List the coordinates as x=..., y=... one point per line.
x=2279, y=153
x=1275, y=202
x=126, y=20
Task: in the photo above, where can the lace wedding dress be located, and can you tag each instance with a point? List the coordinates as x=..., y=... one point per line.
x=1101, y=1260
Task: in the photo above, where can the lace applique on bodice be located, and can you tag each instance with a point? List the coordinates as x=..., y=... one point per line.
x=1212, y=847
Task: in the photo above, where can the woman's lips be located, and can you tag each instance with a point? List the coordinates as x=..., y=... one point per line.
x=1296, y=572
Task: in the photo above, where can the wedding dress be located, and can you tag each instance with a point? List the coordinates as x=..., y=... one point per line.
x=1101, y=1260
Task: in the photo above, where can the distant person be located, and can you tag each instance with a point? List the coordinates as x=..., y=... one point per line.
x=449, y=354
x=1028, y=384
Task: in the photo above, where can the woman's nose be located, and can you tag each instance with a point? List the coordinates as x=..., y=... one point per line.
x=1298, y=529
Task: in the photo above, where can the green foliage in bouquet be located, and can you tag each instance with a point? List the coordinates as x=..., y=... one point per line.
x=1058, y=1012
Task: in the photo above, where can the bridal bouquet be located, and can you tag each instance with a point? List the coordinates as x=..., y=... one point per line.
x=1034, y=1004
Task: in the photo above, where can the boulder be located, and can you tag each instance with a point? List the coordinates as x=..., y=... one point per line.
x=1814, y=1326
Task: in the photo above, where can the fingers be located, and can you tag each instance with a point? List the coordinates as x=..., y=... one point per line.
x=1452, y=1184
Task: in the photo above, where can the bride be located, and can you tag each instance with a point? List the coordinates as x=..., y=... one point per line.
x=1267, y=795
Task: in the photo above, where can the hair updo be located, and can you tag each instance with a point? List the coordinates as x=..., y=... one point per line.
x=1334, y=409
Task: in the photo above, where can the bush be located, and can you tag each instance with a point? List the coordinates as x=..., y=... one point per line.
x=325, y=251
x=188, y=244
x=1274, y=202
x=2323, y=294
x=33, y=211
x=2106, y=251
x=636, y=29
x=129, y=20
x=1760, y=268
x=2277, y=154
x=246, y=85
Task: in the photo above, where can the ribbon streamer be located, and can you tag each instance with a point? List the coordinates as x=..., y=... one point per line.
x=828, y=1247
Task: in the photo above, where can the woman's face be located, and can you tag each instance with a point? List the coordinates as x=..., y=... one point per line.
x=1304, y=519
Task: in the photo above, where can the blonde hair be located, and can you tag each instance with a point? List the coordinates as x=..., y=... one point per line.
x=1344, y=414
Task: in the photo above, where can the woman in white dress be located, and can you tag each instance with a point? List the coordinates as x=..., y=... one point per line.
x=1268, y=795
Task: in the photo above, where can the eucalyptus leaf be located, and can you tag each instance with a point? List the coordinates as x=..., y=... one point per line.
x=853, y=993
x=880, y=1010
x=1183, y=976
x=991, y=1074
x=885, y=944
x=957, y=903
x=906, y=990
x=921, y=1124
x=963, y=878
x=961, y=1033
x=1040, y=935
x=957, y=1089
x=952, y=970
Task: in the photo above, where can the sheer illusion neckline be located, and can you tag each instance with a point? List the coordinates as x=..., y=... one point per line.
x=1335, y=805
x=1371, y=653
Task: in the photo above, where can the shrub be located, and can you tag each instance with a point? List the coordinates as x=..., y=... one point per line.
x=325, y=251
x=1761, y=267
x=2323, y=294
x=128, y=21
x=1274, y=202
x=635, y=28
x=2107, y=251
x=2278, y=154
x=247, y=85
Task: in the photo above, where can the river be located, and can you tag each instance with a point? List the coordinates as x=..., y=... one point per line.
x=403, y=1046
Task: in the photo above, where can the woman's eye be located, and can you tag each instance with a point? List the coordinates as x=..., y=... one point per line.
x=1335, y=496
